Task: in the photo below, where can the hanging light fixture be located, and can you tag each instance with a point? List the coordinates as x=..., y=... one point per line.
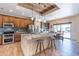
x=39, y=10
x=32, y=18
x=44, y=20
x=44, y=15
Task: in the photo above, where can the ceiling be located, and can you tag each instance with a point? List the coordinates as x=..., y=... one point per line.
x=65, y=9
x=41, y=8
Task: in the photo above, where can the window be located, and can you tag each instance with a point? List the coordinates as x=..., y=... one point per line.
x=65, y=28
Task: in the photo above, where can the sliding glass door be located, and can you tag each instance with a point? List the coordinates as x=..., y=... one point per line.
x=57, y=28
x=65, y=28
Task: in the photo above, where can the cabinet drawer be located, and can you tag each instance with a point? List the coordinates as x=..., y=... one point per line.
x=1, y=21
x=17, y=38
x=0, y=40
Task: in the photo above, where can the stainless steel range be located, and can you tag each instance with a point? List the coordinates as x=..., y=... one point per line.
x=8, y=34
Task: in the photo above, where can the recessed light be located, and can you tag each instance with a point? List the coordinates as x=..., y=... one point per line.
x=10, y=10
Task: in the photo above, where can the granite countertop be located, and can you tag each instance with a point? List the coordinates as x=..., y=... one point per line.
x=35, y=36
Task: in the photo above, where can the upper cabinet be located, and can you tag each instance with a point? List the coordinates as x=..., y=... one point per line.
x=11, y=19
x=29, y=22
x=17, y=22
x=1, y=21
x=24, y=23
x=5, y=19
x=8, y=19
x=21, y=23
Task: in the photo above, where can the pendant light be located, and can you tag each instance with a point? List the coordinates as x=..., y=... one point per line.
x=32, y=18
x=44, y=19
x=39, y=12
x=44, y=15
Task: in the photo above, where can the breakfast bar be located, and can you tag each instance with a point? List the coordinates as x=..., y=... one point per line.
x=29, y=42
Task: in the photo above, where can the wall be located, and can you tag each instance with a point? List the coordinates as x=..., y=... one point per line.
x=74, y=25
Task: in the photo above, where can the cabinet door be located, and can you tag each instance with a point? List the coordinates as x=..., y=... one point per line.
x=17, y=38
x=5, y=19
x=22, y=22
x=1, y=21
x=17, y=22
x=11, y=19
x=26, y=23
x=29, y=21
x=0, y=40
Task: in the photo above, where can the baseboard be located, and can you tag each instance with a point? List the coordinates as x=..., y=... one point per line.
x=72, y=40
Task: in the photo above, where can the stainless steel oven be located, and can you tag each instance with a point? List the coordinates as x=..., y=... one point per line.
x=8, y=33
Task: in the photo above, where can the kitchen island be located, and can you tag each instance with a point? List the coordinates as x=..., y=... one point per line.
x=29, y=42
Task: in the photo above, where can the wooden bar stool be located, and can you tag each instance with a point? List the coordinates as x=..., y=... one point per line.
x=51, y=43
x=39, y=46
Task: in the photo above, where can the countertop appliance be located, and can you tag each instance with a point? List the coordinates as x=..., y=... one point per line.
x=8, y=33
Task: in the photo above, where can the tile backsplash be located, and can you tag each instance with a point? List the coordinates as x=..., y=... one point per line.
x=1, y=30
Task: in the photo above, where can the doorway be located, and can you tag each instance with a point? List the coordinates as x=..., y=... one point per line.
x=65, y=28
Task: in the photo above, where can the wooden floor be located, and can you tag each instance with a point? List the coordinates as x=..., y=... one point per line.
x=67, y=48
x=11, y=50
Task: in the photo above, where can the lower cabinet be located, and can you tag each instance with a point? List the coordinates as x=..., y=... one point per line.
x=0, y=40
x=17, y=38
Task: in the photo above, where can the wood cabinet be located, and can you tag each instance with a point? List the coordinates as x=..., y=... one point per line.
x=25, y=23
x=17, y=37
x=22, y=23
x=5, y=19
x=11, y=19
x=0, y=39
x=29, y=22
x=1, y=23
x=8, y=19
x=17, y=22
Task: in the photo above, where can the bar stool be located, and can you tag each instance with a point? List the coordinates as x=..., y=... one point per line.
x=51, y=43
x=40, y=45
